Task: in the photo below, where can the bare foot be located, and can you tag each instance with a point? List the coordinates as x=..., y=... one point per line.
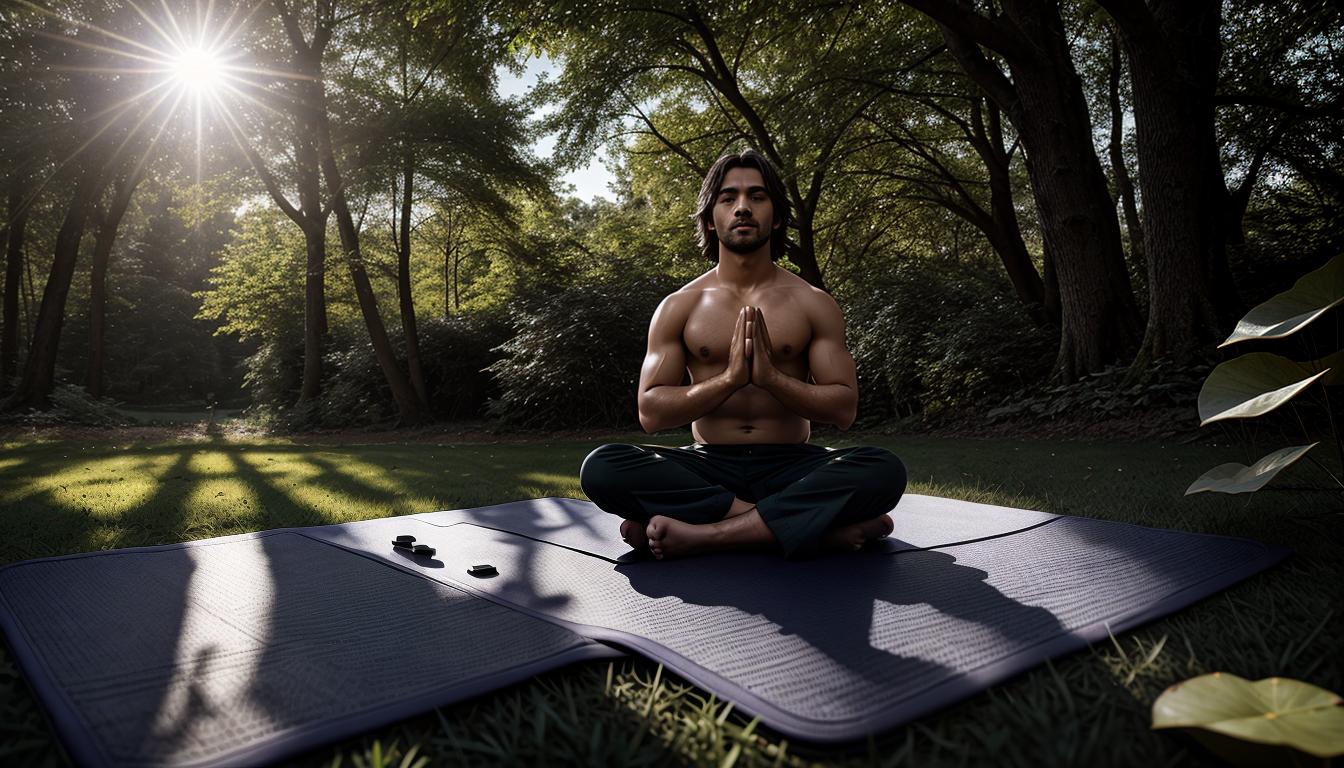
x=632, y=532
x=674, y=538
x=853, y=537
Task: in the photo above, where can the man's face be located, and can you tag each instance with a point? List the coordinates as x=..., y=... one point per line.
x=744, y=216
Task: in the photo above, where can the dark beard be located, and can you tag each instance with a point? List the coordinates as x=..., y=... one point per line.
x=745, y=246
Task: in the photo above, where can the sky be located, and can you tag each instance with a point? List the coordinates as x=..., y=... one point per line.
x=591, y=181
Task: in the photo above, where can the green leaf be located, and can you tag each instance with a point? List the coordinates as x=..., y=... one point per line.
x=1310, y=297
x=1251, y=385
x=1277, y=711
x=1239, y=478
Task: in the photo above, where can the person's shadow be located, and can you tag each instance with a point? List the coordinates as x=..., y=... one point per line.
x=889, y=626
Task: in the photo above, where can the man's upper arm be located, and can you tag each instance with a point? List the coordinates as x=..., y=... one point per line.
x=829, y=360
x=665, y=359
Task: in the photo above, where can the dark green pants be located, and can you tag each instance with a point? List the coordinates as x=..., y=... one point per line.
x=801, y=490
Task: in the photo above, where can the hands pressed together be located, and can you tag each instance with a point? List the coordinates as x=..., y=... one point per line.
x=750, y=355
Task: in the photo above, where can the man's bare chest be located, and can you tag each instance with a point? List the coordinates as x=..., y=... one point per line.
x=708, y=333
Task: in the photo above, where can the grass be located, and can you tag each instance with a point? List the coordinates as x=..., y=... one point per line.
x=90, y=492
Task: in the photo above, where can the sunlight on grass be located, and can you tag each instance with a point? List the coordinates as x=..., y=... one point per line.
x=551, y=479
x=217, y=504
x=211, y=463
x=103, y=488
x=371, y=475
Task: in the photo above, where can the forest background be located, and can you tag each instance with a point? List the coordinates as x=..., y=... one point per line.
x=327, y=211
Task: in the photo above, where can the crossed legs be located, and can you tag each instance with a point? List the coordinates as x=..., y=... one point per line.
x=680, y=501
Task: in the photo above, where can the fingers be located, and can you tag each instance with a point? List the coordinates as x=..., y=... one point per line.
x=760, y=331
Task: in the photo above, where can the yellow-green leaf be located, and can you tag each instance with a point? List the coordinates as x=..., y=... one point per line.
x=1286, y=313
x=1275, y=711
x=1251, y=385
x=1239, y=478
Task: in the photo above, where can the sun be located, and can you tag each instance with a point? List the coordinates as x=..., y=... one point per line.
x=198, y=70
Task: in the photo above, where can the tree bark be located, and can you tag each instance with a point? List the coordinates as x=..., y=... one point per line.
x=313, y=222
x=404, y=297
x=16, y=216
x=1006, y=235
x=109, y=222
x=1124, y=185
x=1173, y=50
x=39, y=370
x=408, y=409
x=1045, y=102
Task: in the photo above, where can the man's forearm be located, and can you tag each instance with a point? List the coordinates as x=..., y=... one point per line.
x=669, y=406
x=827, y=403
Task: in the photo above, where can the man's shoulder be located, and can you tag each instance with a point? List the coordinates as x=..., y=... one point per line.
x=688, y=294
x=806, y=293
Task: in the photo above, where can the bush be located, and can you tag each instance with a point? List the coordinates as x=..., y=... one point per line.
x=924, y=340
x=454, y=353
x=71, y=405
x=575, y=355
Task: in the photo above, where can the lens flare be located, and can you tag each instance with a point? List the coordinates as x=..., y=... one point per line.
x=198, y=70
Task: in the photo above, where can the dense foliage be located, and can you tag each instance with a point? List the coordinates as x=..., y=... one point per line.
x=359, y=230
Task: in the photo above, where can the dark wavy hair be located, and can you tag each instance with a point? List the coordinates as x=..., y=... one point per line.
x=706, y=238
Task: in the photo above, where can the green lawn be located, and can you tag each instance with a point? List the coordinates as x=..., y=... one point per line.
x=73, y=495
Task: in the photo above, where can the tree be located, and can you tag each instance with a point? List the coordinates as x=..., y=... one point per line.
x=108, y=218
x=800, y=110
x=1043, y=98
x=1173, y=52
x=933, y=159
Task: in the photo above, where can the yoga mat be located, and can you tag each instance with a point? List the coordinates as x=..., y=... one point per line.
x=837, y=647
x=252, y=647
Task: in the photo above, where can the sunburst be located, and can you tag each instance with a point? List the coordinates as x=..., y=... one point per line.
x=188, y=64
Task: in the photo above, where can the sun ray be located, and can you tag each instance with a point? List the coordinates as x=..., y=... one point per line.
x=172, y=20
x=126, y=106
x=220, y=40
x=128, y=101
x=256, y=100
x=99, y=47
x=152, y=24
x=85, y=25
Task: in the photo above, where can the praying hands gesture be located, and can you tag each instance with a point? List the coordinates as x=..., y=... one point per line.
x=750, y=354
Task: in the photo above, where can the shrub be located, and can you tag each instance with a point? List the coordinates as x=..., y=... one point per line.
x=924, y=340
x=575, y=355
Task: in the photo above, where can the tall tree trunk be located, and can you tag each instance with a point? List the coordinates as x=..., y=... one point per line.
x=1124, y=185
x=803, y=254
x=407, y=403
x=1007, y=235
x=313, y=222
x=404, y=297
x=16, y=216
x=1045, y=102
x=108, y=223
x=1173, y=51
x=39, y=370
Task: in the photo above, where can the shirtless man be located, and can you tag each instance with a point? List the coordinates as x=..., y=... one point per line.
x=766, y=356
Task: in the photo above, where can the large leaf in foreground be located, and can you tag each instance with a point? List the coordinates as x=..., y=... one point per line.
x=1286, y=313
x=1274, y=711
x=1251, y=385
x=1239, y=478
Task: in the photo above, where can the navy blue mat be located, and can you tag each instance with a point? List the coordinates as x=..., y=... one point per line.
x=253, y=647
